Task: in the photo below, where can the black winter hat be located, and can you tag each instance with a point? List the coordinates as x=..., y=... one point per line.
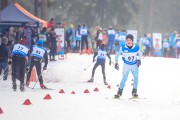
x=130, y=37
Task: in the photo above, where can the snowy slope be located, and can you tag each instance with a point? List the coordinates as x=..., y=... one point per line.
x=158, y=83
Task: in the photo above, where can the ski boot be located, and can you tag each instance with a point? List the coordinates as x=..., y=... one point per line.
x=134, y=93
x=27, y=84
x=43, y=86
x=91, y=80
x=119, y=93
x=105, y=80
x=14, y=87
x=22, y=87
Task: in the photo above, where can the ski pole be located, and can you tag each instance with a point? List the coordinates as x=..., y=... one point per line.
x=6, y=73
x=37, y=80
x=88, y=66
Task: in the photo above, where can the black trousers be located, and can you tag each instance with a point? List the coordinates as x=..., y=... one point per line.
x=102, y=64
x=84, y=38
x=18, y=68
x=37, y=63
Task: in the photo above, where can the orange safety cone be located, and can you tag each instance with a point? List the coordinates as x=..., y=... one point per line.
x=109, y=86
x=61, y=91
x=86, y=91
x=72, y=92
x=1, y=111
x=33, y=77
x=89, y=51
x=27, y=102
x=96, y=90
x=47, y=97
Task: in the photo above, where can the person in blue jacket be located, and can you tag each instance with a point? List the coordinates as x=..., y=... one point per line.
x=19, y=53
x=84, y=37
x=38, y=52
x=111, y=39
x=131, y=57
x=101, y=60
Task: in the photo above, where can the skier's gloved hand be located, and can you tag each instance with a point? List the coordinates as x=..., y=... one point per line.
x=27, y=68
x=138, y=63
x=116, y=66
x=110, y=62
x=9, y=62
x=45, y=67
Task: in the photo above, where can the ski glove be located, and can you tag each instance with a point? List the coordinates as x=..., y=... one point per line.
x=45, y=67
x=110, y=62
x=138, y=63
x=27, y=68
x=9, y=62
x=117, y=66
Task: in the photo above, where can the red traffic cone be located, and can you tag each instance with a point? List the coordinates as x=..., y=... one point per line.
x=86, y=91
x=61, y=91
x=109, y=86
x=27, y=102
x=47, y=97
x=72, y=92
x=1, y=111
x=96, y=90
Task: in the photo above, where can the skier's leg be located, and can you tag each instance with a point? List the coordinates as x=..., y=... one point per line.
x=93, y=72
x=135, y=73
x=124, y=77
x=14, y=70
x=22, y=72
x=39, y=73
x=29, y=73
x=103, y=72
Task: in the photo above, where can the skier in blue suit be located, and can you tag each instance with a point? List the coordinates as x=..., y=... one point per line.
x=131, y=57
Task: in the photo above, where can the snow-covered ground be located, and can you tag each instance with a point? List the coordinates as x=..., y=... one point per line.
x=159, y=83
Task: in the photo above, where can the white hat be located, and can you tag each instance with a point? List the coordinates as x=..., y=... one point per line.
x=4, y=40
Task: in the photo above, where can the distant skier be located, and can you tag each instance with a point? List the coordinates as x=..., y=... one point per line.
x=131, y=56
x=101, y=59
x=19, y=54
x=38, y=52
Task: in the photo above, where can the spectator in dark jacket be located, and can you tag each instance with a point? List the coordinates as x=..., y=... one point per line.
x=4, y=56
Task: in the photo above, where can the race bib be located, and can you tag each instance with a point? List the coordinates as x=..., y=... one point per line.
x=178, y=44
x=20, y=48
x=83, y=31
x=130, y=57
x=111, y=32
x=100, y=37
x=165, y=45
x=39, y=52
x=77, y=34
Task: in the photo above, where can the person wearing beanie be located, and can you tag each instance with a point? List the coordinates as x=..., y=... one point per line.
x=131, y=56
x=101, y=60
x=19, y=53
x=4, y=56
x=38, y=52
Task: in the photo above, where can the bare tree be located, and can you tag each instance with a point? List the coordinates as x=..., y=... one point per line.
x=3, y=4
x=44, y=9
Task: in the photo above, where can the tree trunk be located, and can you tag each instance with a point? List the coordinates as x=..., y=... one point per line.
x=3, y=4
x=44, y=9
